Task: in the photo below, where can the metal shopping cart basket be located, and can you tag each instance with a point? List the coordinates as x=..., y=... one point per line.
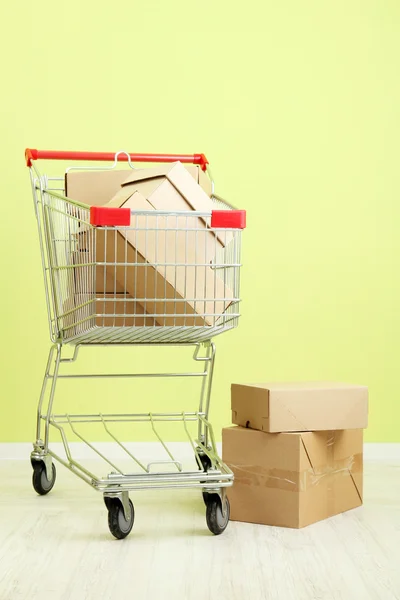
x=134, y=276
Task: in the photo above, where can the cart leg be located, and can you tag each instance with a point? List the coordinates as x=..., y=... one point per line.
x=205, y=397
x=40, y=447
x=41, y=398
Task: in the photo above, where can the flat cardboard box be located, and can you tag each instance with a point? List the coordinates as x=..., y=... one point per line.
x=316, y=406
x=293, y=479
x=167, y=266
x=170, y=187
x=98, y=187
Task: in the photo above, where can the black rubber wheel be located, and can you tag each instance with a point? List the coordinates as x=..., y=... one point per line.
x=206, y=495
x=40, y=483
x=205, y=462
x=216, y=522
x=205, y=465
x=117, y=523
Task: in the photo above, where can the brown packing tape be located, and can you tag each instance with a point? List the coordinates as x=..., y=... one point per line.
x=294, y=481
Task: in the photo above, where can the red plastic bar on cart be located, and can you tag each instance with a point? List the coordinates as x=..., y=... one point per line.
x=228, y=219
x=31, y=154
x=104, y=216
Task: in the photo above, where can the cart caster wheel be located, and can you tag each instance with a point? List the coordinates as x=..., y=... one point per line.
x=117, y=523
x=216, y=521
x=205, y=464
x=206, y=496
x=40, y=483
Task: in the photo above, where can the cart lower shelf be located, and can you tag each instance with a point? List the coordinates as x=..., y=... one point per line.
x=212, y=476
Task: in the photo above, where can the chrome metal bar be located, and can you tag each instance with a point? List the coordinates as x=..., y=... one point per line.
x=93, y=447
x=74, y=356
x=82, y=418
x=177, y=463
x=191, y=440
x=209, y=433
x=175, y=485
x=210, y=380
x=71, y=461
x=124, y=375
x=163, y=443
x=42, y=394
x=51, y=397
x=198, y=476
x=77, y=469
x=141, y=465
x=206, y=359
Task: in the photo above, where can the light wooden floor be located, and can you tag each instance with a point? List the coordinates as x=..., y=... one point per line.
x=58, y=547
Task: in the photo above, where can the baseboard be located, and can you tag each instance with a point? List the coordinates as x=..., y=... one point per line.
x=383, y=451
x=148, y=451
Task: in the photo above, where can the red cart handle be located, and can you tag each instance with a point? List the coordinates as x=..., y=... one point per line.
x=195, y=159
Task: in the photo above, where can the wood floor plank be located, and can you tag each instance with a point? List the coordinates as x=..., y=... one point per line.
x=58, y=547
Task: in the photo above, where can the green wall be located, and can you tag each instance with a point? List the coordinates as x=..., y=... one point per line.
x=296, y=104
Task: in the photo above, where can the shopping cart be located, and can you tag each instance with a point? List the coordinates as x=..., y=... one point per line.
x=108, y=275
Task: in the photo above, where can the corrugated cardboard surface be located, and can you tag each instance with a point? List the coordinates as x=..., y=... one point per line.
x=316, y=406
x=187, y=286
x=293, y=479
x=170, y=187
x=86, y=312
x=152, y=243
x=131, y=313
x=96, y=188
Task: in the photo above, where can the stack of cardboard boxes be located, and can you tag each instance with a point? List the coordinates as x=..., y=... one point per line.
x=296, y=451
x=160, y=270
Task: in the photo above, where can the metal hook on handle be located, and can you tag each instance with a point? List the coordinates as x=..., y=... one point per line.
x=128, y=156
x=102, y=168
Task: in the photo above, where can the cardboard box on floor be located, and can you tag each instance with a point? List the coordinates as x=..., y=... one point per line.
x=276, y=407
x=96, y=188
x=167, y=266
x=293, y=479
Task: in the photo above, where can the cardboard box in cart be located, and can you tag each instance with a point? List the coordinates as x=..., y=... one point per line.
x=96, y=188
x=174, y=255
x=293, y=479
x=85, y=311
x=193, y=286
x=309, y=406
x=170, y=187
x=169, y=272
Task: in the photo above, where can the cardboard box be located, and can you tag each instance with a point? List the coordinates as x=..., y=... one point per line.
x=276, y=407
x=293, y=479
x=166, y=266
x=170, y=187
x=105, y=310
x=201, y=178
x=89, y=278
x=96, y=188
x=131, y=313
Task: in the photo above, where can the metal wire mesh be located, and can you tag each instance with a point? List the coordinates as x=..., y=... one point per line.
x=167, y=278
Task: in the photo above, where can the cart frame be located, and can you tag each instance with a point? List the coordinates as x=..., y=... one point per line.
x=212, y=475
